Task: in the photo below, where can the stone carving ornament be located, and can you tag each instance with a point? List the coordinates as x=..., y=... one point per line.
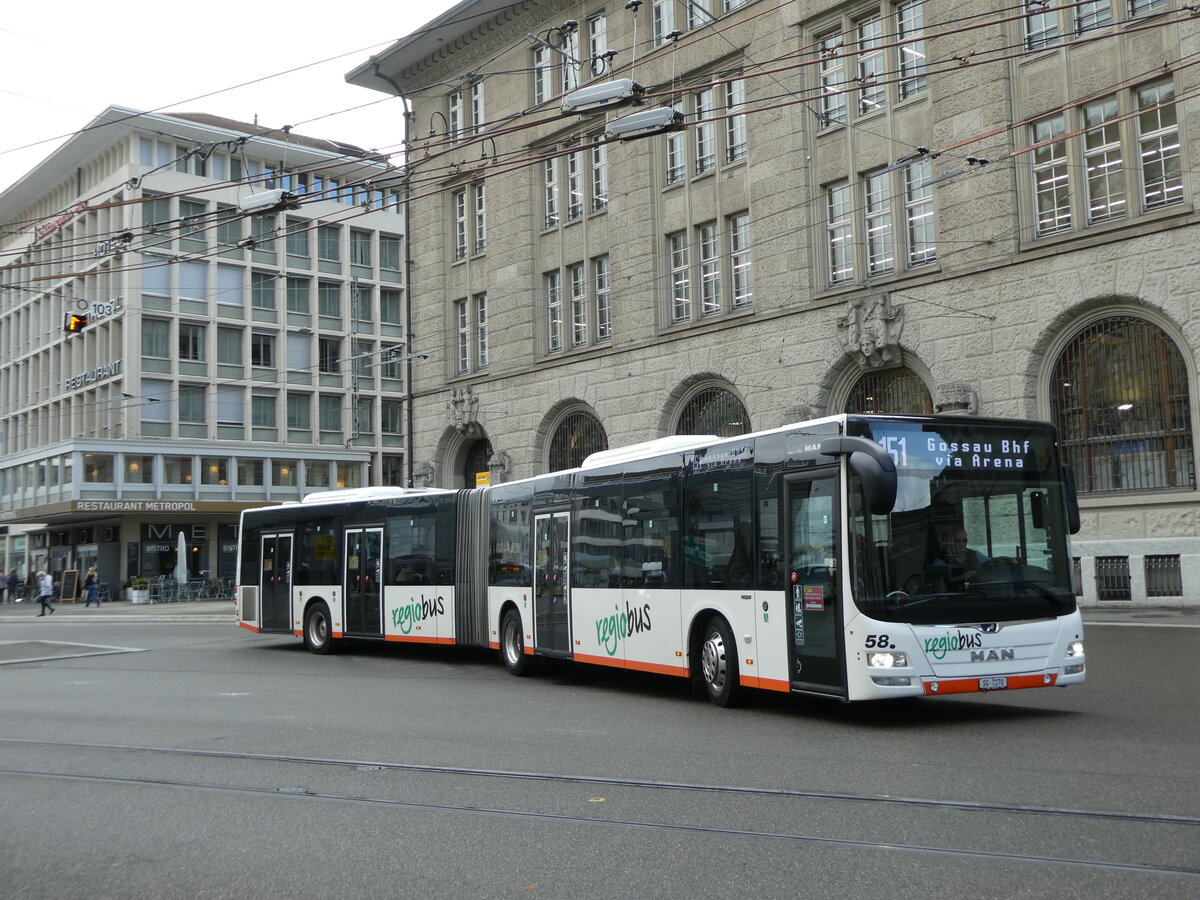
x=870, y=331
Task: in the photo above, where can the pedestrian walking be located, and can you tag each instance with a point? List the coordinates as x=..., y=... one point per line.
x=91, y=588
x=4, y=598
x=13, y=583
x=45, y=591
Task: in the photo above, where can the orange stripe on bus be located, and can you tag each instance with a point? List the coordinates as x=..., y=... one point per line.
x=249, y=627
x=404, y=638
x=766, y=684
x=611, y=661
x=971, y=685
x=657, y=668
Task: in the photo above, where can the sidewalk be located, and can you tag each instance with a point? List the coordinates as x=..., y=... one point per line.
x=123, y=611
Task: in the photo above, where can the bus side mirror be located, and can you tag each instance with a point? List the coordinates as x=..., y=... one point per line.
x=1072, y=498
x=873, y=465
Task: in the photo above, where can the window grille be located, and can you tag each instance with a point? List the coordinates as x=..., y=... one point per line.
x=578, y=436
x=894, y=392
x=1163, y=576
x=716, y=411
x=1112, y=578
x=1121, y=402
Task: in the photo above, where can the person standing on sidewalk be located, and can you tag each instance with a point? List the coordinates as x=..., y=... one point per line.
x=4, y=598
x=45, y=586
x=91, y=588
x=13, y=583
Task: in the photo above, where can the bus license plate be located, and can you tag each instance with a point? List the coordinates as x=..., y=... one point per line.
x=995, y=683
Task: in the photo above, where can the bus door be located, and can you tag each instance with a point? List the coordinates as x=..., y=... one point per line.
x=275, y=586
x=815, y=635
x=551, y=584
x=363, y=578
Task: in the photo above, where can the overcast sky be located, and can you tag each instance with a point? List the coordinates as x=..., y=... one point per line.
x=64, y=61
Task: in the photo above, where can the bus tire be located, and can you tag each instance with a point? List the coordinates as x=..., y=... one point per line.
x=318, y=637
x=512, y=644
x=718, y=663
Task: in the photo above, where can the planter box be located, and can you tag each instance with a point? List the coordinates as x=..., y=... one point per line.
x=139, y=595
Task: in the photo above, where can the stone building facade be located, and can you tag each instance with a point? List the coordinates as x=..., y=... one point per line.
x=874, y=206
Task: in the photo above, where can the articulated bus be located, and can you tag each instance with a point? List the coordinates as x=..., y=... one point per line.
x=825, y=557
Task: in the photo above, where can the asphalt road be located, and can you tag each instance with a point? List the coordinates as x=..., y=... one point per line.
x=194, y=759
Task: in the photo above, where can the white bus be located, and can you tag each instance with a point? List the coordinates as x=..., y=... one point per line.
x=856, y=557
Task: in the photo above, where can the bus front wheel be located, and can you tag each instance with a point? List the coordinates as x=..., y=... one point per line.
x=512, y=643
x=718, y=663
x=317, y=637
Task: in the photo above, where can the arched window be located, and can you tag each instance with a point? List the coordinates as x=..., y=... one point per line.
x=894, y=392
x=1120, y=401
x=476, y=460
x=713, y=410
x=576, y=437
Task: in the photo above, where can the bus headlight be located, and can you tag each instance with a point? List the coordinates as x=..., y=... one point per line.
x=1074, y=651
x=888, y=660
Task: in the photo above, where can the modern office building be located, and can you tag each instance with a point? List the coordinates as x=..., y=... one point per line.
x=896, y=207
x=197, y=315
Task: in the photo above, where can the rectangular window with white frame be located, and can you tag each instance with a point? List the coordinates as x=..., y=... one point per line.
x=832, y=75
x=482, y=345
x=872, y=69
x=454, y=115
x=550, y=191
x=478, y=112
x=675, y=145
x=1158, y=146
x=574, y=185
x=740, y=268
x=1051, y=176
x=881, y=242
x=543, y=74
x=599, y=175
x=918, y=212
x=571, y=64
x=602, y=290
x=681, y=285
x=662, y=20
x=1104, y=161
x=554, y=311
x=703, y=131
x=597, y=44
x=479, y=217
x=459, y=200
x=839, y=230
x=709, y=244
x=462, y=323
x=735, y=124
x=577, y=278
x=910, y=21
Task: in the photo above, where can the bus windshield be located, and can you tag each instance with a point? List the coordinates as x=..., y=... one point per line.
x=978, y=532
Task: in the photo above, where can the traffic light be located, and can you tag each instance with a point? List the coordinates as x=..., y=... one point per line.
x=75, y=322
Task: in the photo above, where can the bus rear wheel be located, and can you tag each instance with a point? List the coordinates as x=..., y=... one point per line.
x=317, y=636
x=512, y=644
x=718, y=663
